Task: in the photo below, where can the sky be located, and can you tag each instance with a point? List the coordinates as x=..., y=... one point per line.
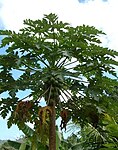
x=99, y=13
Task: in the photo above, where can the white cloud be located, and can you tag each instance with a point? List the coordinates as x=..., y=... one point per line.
x=100, y=14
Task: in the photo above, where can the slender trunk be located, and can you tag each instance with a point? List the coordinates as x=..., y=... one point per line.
x=52, y=129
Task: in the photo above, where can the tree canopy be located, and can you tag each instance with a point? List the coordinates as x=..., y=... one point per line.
x=65, y=66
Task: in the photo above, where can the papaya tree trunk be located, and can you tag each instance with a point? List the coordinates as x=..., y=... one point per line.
x=52, y=128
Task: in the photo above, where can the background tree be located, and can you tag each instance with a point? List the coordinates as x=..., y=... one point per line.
x=61, y=64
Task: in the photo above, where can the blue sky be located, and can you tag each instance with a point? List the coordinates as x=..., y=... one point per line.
x=5, y=133
x=85, y=1
x=100, y=13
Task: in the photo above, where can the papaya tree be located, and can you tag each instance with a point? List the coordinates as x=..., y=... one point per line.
x=62, y=65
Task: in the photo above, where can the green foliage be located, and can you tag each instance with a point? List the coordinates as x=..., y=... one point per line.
x=14, y=145
x=61, y=63
x=104, y=137
x=33, y=137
